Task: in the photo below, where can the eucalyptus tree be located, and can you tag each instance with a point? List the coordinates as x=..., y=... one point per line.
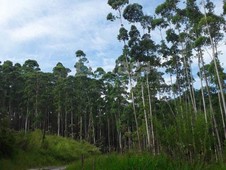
x=211, y=29
x=60, y=74
x=212, y=26
x=95, y=107
x=135, y=52
x=169, y=49
x=46, y=102
x=179, y=57
x=108, y=97
x=150, y=65
x=176, y=19
x=98, y=95
x=113, y=92
x=70, y=106
x=7, y=82
x=30, y=71
x=200, y=40
x=10, y=91
x=132, y=13
x=117, y=5
x=188, y=30
x=116, y=100
x=211, y=79
x=193, y=15
x=82, y=79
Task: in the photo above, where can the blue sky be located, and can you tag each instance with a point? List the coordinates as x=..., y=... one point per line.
x=51, y=31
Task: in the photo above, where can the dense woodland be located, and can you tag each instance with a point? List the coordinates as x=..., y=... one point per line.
x=148, y=102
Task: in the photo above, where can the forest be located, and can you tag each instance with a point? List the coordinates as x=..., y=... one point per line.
x=150, y=102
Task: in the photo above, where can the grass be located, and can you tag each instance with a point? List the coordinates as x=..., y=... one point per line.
x=141, y=161
x=31, y=152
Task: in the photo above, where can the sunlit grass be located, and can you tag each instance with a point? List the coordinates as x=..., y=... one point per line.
x=32, y=152
x=141, y=161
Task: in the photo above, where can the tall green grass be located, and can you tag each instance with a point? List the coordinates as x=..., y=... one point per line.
x=31, y=151
x=141, y=161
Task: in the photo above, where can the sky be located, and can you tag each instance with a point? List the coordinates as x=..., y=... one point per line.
x=52, y=31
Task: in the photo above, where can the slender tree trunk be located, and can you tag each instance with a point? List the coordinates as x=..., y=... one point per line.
x=210, y=101
x=193, y=102
x=26, y=121
x=151, y=116
x=36, y=102
x=72, y=124
x=59, y=115
x=65, y=124
x=222, y=114
x=133, y=102
x=85, y=131
x=145, y=117
x=136, y=122
x=109, y=136
x=202, y=88
x=119, y=133
x=214, y=123
x=129, y=137
x=58, y=123
x=214, y=52
x=93, y=131
x=192, y=88
x=81, y=124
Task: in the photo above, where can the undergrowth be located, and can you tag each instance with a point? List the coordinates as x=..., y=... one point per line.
x=141, y=161
x=30, y=151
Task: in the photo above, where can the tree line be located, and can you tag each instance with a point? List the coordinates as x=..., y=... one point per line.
x=133, y=106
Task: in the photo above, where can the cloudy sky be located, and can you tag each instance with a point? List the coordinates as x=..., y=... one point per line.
x=50, y=31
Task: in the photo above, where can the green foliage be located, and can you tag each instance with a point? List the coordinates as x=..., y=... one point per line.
x=110, y=17
x=98, y=106
x=200, y=42
x=138, y=161
x=185, y=137
x=80, y=53
x=123, y=34
x=67, y=149
x=133, y=13
x=32, y=151
x=7, y=139
x=224, y=8
x=116, y=4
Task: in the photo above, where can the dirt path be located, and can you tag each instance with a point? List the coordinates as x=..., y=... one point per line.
x=50, y=168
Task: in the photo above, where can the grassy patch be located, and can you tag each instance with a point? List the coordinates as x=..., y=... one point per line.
x=32, y=152
x=139, y=161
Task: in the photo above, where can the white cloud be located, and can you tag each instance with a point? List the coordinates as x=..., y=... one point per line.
x=51, y=31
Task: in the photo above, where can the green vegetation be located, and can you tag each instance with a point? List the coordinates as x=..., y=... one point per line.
x=30, y=151
x=139, y=162
x=149, y=102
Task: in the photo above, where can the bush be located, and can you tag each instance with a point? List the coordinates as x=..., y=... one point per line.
x=7, y=140
x=7, y=143
x=67, y=149
x=32, y=151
